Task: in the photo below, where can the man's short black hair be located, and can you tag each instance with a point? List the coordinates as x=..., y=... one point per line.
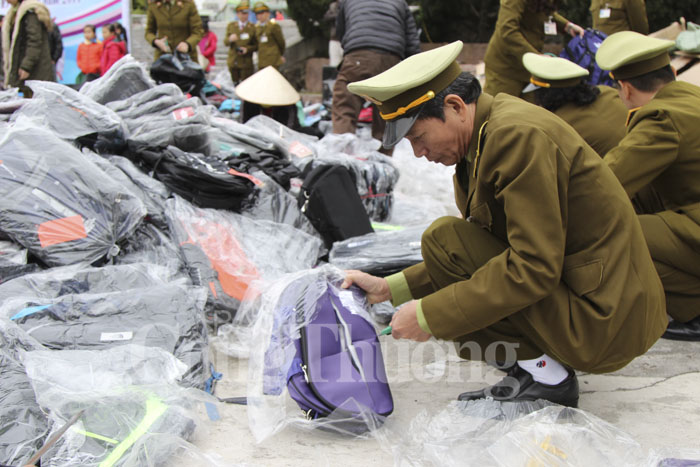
x=581, y=95
x=653, y=80
x=466, y=86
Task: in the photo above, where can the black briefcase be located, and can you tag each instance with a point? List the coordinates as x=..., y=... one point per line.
x=329, y=199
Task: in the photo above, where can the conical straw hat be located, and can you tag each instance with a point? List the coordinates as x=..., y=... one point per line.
x=267, y=87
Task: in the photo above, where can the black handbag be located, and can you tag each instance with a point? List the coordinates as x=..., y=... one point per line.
x=329, y=199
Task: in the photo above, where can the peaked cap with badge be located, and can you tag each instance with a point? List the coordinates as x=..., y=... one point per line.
x=243, y=6
x=259, y=7
x=551, y=72
x=401, y=91
x=629, y=54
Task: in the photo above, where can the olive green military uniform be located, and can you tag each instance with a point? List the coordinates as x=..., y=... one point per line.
x=611, y=16
x=662, y=149
x=240, y=65
x=177, y=20
x=602, y=123
x=518, y=31
x=551, y=256
x=270, y=44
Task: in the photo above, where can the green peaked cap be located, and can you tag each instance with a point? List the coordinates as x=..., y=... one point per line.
x=260, y=7
x=628, y=54
x=400, y=91
x=243, y=5
x=552, y=72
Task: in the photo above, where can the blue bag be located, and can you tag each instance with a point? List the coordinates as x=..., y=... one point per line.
x=582, y=50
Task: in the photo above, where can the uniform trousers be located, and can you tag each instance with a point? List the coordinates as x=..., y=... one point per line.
x=356, y=66
x=239, y=74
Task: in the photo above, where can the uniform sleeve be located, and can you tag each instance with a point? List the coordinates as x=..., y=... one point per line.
x=412, y=42
x=33, y=30
x=637, y=16
x=253, y=43
x=151, y=26
x=649, y=147
x=533, y=194
x=561, y=22
x=510, y=16
x=278, y=37
x=229, y=31
x=196, y=30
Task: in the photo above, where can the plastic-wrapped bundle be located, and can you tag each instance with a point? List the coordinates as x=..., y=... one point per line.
x=245, y=133
x=225, y=252
x=13, y=261
x=130, y=411
x=168, y=316
x=151, y=244
x=280, y=169
x=124, y=79
x=154, y=190
x=269, y=327
x=10, y=101
x=23, y=425
x=292, y=144
x=379, y=253
x=180, y=69
x=57, y=203
x=148, y=101
x=71, y=115
x=274, y=203
x=205, y=181
x=65, y=280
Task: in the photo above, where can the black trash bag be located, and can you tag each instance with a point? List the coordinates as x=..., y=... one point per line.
x=179, y=69
x=23, y=425
x=124, y=79
x=73, y=116
x=168, y=316
x=58, y=204
x=380, y=253
x=205, y=181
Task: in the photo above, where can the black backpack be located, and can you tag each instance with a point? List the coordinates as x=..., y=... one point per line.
x=330, y=200
x=180, y=70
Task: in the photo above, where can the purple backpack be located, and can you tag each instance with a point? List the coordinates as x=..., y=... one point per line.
x=338, y=367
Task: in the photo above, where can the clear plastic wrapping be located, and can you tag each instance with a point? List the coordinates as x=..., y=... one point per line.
x=291, y=143
x=380, y=253
x=124, y=79
x=148, y=101
x=130, y=411
x=70, y=114
x=151, y=244
x=180, y=112
x=11, y=254
x=57, y=203
x=245, y=133
x=226, y=252
x=23, y=425
x=168, y=316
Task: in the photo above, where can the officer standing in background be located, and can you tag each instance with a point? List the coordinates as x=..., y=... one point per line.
x=240, y=39
x=596, y=112
x=521, y=27
x=662, y=151
x=269, y=37
x=549, y=259
x=173, y=25
x=611, y=16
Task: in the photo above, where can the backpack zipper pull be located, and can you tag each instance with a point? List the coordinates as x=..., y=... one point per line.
x=306, y=375
x=306, y=202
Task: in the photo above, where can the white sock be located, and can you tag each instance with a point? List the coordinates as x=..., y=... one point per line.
x=545, y=370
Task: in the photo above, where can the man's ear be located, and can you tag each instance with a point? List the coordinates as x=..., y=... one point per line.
x=626, y=89
x=455, y=103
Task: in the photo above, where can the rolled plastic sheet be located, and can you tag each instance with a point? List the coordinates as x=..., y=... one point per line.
x=124, y=79
x=492, y=433
x=71, y=115
x=23, y=425
x=57, y=203
x=380, y=253
x=167, y=316
x=68, y=280
x=226, y=252
x=130, y=410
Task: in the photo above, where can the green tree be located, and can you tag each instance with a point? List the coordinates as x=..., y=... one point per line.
x=449, y=20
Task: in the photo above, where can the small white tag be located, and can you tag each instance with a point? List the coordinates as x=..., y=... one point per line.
x=550, y=28
x=116, y=336
x=263, y=39
x=604, y=13
x=245, y=36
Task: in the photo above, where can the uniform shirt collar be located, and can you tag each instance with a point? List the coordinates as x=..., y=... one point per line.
x=481, y=115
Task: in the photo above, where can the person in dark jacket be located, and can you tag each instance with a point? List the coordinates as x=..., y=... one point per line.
x=55, y=43
x=25, y=44
x=375, y=35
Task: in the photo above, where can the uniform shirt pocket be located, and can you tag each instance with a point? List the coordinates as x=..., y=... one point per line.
x=584, y=278
x=481, y=215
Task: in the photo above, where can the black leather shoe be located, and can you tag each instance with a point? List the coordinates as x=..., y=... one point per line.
x=519, y=386
x=678, y=331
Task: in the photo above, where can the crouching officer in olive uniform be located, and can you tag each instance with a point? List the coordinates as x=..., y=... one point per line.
x=549, y=258
x=596, y=112
x=240, y=38
x=270, y=39
x=173, y=24
x=661, y=151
